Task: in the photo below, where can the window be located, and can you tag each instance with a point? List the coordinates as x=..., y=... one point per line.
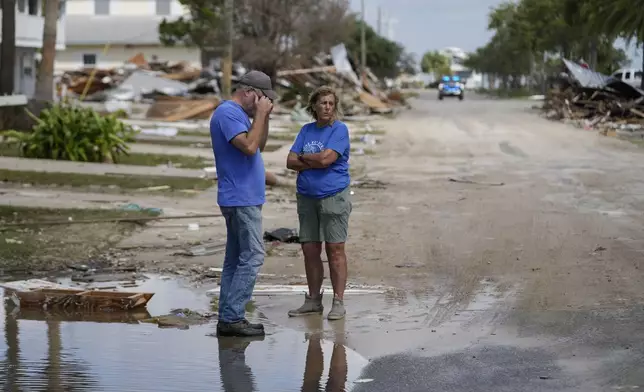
x=89, y=59
x=163, y=7
x=22, y=6
x=62, y=8
x=618, y=75
x=33, y=7
x=627, y=76
x=638, y=75
x=102, y=7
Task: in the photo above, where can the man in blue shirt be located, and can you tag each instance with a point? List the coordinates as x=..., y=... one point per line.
x=237, y=144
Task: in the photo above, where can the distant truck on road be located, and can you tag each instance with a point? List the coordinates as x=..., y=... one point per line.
x=629, y=75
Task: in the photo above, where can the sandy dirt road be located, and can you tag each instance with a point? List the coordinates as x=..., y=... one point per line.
x=559, y=243
x=566, y=225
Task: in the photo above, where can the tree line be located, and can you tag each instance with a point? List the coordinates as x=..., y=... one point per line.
x=270, y=35
x=531, y=36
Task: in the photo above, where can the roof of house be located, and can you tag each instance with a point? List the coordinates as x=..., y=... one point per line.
x=118, y=30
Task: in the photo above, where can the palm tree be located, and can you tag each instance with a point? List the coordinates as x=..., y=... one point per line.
x=45, y=81
x=8, y=50
x=618, y=18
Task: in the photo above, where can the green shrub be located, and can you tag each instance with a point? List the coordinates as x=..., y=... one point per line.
x=65, y=132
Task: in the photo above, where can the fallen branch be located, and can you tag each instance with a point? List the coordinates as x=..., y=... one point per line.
x=108, y=220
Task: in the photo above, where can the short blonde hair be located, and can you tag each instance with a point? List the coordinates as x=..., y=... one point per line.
x=319, y=92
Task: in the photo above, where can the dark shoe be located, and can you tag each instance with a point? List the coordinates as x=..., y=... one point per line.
x=239, y=329
x=255, y=325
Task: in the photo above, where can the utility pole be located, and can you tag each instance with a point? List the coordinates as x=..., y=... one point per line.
x=227, y=66
x=379, y=21
x=363, y=45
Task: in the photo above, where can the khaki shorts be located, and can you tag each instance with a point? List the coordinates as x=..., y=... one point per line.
x=324, y=220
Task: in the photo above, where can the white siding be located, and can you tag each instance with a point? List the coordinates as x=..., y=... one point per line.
x=178, y=9
x=29, y=29
x=133, y=7
x=122, y=7
x=80, y=7
x=72, y=57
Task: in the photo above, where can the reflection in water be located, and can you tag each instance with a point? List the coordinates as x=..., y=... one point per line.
x=314, y=367
x=85, y=352
x=236, y=375
x=11, y=364
x=57, y=374
x=53, y=358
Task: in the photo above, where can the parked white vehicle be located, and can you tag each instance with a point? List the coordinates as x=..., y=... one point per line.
x=631, y=76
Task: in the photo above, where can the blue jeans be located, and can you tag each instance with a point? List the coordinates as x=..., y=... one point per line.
x=244, y=258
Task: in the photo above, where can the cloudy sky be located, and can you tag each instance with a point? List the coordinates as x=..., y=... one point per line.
x=422, y=25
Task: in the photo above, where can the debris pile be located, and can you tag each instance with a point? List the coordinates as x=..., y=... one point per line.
x=594, y=100
x=179, y=91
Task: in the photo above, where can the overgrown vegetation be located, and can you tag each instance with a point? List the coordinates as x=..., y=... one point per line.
x=42, y=247
x=66, y=132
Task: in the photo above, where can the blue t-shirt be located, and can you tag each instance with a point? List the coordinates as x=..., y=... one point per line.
x=321, y=183
x=240, y=178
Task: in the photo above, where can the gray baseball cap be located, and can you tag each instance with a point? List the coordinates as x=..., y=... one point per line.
x=260, y=81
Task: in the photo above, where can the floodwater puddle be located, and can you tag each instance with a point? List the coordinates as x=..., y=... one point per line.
x=114, y=352
x=397, y=321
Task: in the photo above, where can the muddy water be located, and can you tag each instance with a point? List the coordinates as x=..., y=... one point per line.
x=38, y=353
x=398, y=321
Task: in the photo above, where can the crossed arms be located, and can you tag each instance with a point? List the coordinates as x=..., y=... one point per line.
x=319, y=160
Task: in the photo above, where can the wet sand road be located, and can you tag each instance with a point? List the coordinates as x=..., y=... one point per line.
x=556, y=252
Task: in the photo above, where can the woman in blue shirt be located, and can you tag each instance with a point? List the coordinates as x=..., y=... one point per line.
x=320, y=155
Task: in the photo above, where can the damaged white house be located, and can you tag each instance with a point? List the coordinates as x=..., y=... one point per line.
x=106, y=33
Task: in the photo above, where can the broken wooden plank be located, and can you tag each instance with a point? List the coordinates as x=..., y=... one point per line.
x=301, y=71
x=372, y=101
x=80, y=299
x=637, y=112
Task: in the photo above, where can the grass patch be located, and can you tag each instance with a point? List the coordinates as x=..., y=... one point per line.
x=51, y=247
x=181, y=161
x=105, y=182
x=286, y=136
x=175, y=143
x=638, y=143
x=194, y=133
x=137, y=159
